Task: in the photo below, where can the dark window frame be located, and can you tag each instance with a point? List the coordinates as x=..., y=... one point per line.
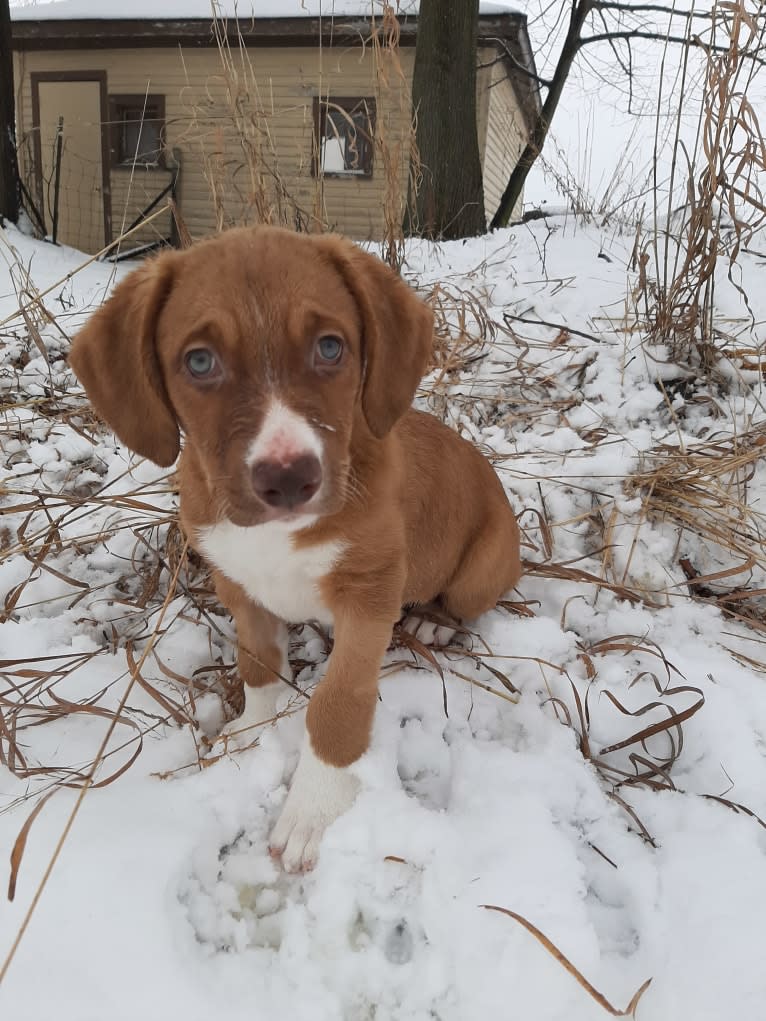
x=146, y=107
x=349, y=105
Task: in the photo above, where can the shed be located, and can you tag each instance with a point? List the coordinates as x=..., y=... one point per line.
x=288, y=111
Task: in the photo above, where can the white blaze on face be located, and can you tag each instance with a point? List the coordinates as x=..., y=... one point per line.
x=283, y=438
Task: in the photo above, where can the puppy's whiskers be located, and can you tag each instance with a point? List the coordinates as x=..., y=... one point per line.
x=353, y=491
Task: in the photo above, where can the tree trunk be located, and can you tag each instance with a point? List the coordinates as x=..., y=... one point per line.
x=533, y=148
x=449, y=202
x=9, y=168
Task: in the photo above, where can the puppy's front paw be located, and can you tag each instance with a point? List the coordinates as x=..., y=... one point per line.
x=318, y=795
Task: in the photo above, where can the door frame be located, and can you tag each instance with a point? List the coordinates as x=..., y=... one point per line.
x=75, y=76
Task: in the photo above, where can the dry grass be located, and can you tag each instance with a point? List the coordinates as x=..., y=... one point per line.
x=704, y=493
x=234, y=129
x=553, y=950
x=395, y=146
x=80, y=514
x=723, y=206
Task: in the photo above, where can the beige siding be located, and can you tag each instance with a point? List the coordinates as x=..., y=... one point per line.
x=483, y=79
x=243, y=127
x=505, y=138
x=244, y=132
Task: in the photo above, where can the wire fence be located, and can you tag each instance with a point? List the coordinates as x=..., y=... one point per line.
x=76, y=194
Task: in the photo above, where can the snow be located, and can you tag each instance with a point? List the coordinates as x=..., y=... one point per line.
x=165, y=903
x=23, y=10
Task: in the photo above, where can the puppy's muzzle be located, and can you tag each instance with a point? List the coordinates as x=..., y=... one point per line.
x=287, y=485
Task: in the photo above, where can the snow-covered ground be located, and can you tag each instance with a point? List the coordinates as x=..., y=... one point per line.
x=164, y=902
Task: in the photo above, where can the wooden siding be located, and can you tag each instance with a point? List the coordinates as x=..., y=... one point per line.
x=243, y=127
x=505, y=139
x=483, y=79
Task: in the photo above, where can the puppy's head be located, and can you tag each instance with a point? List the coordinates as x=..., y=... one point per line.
x=268, y=349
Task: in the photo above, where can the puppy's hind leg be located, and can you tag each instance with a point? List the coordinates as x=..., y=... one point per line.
x=436, y=632
x=490, y=568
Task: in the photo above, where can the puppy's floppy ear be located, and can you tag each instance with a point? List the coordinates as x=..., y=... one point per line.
x=115, y=358
x=398, y=333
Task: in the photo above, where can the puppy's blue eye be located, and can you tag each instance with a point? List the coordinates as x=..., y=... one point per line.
x=329, y=349
x=200, y=362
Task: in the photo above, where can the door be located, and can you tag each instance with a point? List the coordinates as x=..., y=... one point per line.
x=76, y=101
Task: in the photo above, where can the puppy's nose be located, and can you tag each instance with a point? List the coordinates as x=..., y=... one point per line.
x=287, y=485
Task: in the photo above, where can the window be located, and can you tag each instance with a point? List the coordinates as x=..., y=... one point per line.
x=137, y=130
x=345, y=134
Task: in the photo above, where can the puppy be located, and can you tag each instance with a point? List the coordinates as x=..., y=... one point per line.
x=289, y=363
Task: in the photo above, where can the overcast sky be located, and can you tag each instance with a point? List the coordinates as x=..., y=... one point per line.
x=602, y=133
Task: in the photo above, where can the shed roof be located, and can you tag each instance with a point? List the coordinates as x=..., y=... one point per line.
x=116, y=10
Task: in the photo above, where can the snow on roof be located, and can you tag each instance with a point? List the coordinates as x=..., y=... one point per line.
x=109, y=10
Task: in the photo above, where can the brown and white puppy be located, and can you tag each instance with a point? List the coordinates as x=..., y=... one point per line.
x=289, y=363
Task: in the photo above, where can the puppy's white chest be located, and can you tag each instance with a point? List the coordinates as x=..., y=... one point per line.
x=263, y=560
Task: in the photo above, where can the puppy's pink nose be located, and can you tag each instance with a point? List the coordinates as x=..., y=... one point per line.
x=287, y=485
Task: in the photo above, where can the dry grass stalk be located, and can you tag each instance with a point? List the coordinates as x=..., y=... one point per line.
x=563, y=960
x=462, y=329
x=724, y=206
x=240, y=153
x=395, y=136
x=575, y=574
x=650, y=768
x=519, y=389
x=237, y=146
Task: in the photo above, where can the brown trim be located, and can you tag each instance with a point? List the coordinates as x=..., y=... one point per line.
x=140, y=100
x=35, y=78
x=320, y=113
x=169, y=32
x=122, y=33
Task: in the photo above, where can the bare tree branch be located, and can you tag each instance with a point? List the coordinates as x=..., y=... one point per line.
x=626, y=8
x=507, y=55
x=631, y=21
x=580, y=10
x=612, y=45
x=660, y=37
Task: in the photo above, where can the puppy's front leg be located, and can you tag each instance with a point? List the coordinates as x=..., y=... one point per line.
x=262, y=652
x=338, y=726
